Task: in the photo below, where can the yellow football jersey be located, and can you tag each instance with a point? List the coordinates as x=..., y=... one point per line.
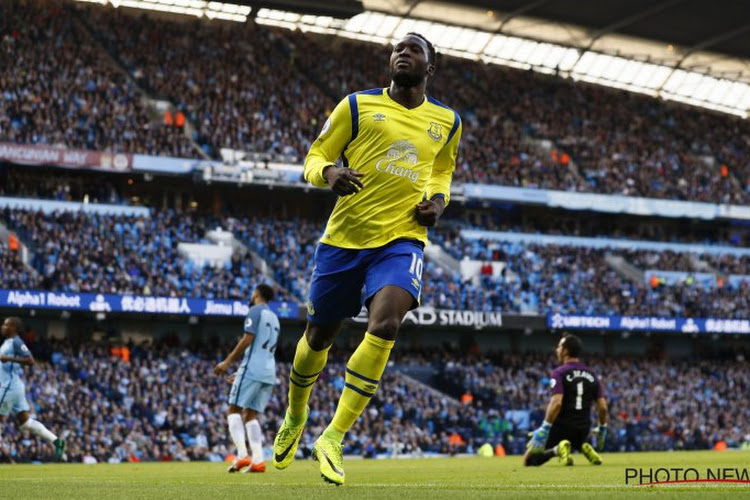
x=405, y=154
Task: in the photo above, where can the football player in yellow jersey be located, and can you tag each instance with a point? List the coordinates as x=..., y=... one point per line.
x=398, y=148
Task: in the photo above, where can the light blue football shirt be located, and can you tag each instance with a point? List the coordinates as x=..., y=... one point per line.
x=15, y=348
x=259, y=363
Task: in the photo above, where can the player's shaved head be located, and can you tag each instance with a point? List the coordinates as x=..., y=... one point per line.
x=572, y=344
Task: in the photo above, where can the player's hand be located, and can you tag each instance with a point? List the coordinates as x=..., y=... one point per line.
x=4, y=359
x=539, y=437
x=230, y=378
x=601, y=435
x=221, y=368
x=428, y=212
x=343, y=181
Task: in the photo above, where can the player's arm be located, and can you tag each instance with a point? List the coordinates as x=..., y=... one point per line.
x=601, y=411
x=21, y=354
x=320, y=163
x=239, y=349
x=539, y=436
x=439, y=186
x=250, y=330
x=602, y=416
x=553, y=408
x=27, y=361
x=600, y=431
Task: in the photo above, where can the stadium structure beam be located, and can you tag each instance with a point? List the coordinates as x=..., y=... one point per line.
x=412, y=6
x=723, y=37
x=519, y=11
x=638, y=16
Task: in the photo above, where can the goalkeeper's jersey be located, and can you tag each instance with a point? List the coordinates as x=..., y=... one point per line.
x=405, y=154
x=580, y=388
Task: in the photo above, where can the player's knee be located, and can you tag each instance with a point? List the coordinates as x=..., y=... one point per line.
x=320, y=337
x=248, y=415
x=386, y=328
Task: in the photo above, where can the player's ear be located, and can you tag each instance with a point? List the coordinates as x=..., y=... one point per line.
x=430, y=69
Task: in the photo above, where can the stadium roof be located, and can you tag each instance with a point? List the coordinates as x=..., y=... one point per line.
x=710, y=37
x=720, y=25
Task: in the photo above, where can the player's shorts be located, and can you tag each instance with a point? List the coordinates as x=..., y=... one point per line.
x=249, y=393
x=13, y=399
x=341, y=273
x=576, y=435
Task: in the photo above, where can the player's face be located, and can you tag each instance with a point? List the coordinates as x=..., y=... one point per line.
x=254, y=298
x=410, y=62
x=560, y=351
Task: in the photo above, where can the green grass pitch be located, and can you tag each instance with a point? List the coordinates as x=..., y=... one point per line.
x=405, y=479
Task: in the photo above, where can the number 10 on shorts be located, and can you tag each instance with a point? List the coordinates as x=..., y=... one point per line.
x=416, y=265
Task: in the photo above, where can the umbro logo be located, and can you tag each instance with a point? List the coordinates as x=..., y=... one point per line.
x=378, y=117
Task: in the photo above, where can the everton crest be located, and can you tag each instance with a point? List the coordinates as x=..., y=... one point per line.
x=435, y=131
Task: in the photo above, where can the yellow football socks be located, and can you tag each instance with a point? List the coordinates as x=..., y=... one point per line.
x=363, y=372
x=306, y=367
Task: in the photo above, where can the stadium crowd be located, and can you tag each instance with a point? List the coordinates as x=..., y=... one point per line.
x=163, y=403
x=118, y=254
x=13, y=272
x=579, y=280
x=242, y=91
x=520, y=128
x=289, y=245
x=79, y=252
x=59, y=89
x=695, y=262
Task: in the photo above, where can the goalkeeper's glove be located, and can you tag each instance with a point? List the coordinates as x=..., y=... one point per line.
x=601, y=435
x=539, y=437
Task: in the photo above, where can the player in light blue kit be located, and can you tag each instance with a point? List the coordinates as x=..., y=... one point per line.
x=253, y=383
x=13, y=355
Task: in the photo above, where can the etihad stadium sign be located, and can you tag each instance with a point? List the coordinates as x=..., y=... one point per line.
x=428, y=316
